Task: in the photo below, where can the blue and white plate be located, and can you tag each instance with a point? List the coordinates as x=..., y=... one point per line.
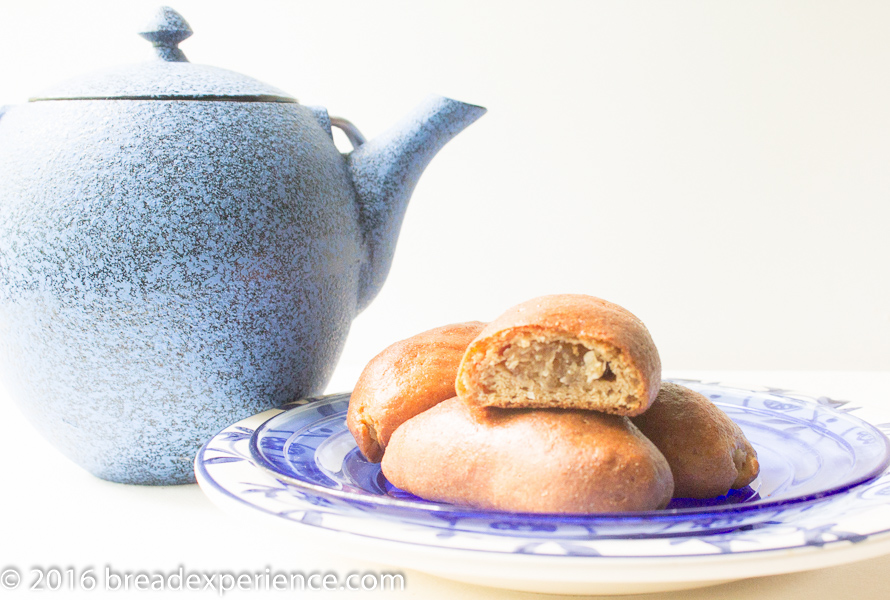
x=823, y=498
x=808, y=453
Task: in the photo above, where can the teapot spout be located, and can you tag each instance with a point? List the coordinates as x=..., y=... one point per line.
x=385, y=171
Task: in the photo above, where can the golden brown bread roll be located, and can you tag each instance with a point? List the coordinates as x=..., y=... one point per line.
x=405, y=379
x=707, y=452
x=566, y=351
x=561, y=461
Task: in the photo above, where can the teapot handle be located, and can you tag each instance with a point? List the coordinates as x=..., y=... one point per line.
x=326, y=121
x=352, y=133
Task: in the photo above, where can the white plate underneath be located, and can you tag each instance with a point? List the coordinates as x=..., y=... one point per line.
x=848, y=528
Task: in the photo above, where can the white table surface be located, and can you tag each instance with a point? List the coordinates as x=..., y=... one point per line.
x=57, y=515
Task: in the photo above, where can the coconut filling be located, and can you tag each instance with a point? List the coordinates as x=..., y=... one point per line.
x=544, y=370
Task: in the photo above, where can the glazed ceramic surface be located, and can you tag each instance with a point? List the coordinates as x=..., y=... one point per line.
x=182, y=247
x=559, y=554
x=808, y=452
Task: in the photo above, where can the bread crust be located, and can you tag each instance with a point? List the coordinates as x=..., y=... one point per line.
x=708, y=453
x=404, y=380
x=542, y=461
x=617, y=335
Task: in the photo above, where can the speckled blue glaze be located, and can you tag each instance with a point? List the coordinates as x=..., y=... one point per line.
x=175, y=259
x=385, y=171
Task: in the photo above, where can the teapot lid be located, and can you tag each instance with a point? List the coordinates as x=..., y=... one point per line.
x=171, y=77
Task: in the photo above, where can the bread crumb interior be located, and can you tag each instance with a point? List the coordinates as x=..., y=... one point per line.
x=548, y=369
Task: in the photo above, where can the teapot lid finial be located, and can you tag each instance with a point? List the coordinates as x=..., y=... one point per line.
x=165, y=31
x=170, y=78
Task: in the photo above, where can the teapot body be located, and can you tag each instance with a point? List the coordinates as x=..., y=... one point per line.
x=169, y=267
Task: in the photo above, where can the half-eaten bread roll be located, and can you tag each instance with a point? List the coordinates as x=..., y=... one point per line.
x=565, y=351
x=542, y=461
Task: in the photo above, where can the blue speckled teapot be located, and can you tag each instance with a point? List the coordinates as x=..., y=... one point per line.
x=181, y=247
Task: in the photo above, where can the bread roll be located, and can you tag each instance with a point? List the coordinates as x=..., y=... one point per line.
x=707, y=451
x=542, y=461
x=566, y=351
x=405, y=379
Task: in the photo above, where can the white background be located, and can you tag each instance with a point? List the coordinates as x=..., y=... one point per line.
x=719, y=168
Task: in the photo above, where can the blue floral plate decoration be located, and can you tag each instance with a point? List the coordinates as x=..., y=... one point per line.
x=808, y=452
x=823, y=498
